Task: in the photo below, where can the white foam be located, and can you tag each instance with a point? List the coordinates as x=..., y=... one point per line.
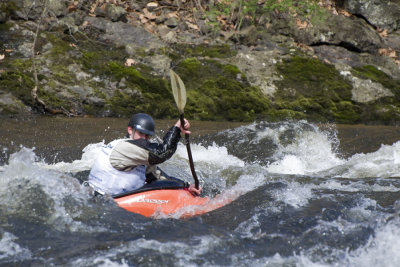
x=89, y=155
x=184, y=254
x=295, y=194
x=382, y=249
x=385, y=162
x=10, y=249
x=213, y=155
x=24, y=173
x=311, y=152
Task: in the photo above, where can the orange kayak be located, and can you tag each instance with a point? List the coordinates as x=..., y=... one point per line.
x=166, y=200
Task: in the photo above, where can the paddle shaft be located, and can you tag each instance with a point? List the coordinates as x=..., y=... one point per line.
x=189, y=151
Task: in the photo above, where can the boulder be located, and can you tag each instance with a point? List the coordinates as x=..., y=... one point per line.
x=28, y=10
x=380, y=13
x=353, y=34
x=123, y=34
x=116, y=13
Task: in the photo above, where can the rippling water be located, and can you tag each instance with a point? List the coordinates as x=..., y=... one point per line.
x=306, y=195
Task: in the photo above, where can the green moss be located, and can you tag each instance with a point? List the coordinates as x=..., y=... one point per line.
x=285, y=114
x=310, y=77
x=8, y=8
x=118, y=70
x=215, y=92
x=382, y=113
x=19, y=84
x=53, y=101
x=216, y=51
x=89, y=58
x=5, y=26
x=7, y=110
x=316, y=89
x=346, y=112
x=124, y=104
x=233, y=71
x=62, y=74
x=60, y=46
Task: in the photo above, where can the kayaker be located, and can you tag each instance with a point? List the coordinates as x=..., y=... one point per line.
x=128, y=164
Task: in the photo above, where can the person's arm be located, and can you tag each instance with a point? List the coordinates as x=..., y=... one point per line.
x=158, y=153
x=154, y=173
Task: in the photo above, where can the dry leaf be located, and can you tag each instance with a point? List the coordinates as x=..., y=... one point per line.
x=344, y=13
x=143, y=19
x=300, y=24
x=92, y=8
x=193, y=26
x=130, y=61
x=389, y=52
x=172, y=15
x=149, y=15
x=383, y=32
x=304, y=46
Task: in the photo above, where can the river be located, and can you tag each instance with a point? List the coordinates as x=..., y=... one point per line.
x=306, y=195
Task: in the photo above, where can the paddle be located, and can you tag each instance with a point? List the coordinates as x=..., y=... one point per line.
x=179, y=92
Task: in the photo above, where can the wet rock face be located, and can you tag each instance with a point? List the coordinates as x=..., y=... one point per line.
x=123, y=34
x=22, y=9
x=112, y=59
x=379, y=13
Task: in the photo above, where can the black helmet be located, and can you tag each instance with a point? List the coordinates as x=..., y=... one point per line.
x=143, y=123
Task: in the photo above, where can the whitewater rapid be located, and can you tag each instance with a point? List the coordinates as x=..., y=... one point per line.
x=273, y=170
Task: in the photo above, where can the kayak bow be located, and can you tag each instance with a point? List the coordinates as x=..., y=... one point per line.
x=167, y=200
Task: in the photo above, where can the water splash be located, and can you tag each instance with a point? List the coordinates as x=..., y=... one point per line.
x=10, y=249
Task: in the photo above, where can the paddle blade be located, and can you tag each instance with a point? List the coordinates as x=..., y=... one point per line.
x=178, y=90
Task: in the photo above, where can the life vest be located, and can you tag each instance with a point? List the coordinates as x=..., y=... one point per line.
x=105, y=179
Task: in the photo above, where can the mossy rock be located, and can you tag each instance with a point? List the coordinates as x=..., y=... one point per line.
x=18, y=79
x=275, y=115
x=8, y=8
x=346, y=112
x=315, y=89
x=382, y=112
x=311, y=77
x=220, y=92
x=376, y=75
x=54, y=101
x=204, y=50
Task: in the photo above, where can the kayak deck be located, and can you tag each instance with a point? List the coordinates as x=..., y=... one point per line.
x=166, y=198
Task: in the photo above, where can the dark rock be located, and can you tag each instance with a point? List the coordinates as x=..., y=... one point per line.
x=122, y=34
x=136, y=6
x=3, y=17
x=351, y=33
x=338, y=55
x=205, y=28
x=171, y=22
x=380, y=13
x=116, y=13
x=161, y=19
x=26, y=10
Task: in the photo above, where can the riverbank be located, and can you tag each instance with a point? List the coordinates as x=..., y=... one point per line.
x=337, y=64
